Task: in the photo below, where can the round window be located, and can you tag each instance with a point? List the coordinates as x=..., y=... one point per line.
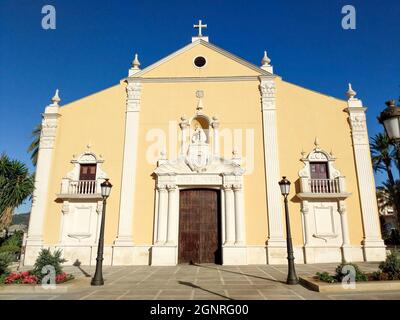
x=200, y=62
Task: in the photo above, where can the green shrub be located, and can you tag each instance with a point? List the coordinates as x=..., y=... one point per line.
x=46, y=258
x=10, y=248
x=340, y=273
x=15, y=239
x=5, y=260
x=391, y=266
x=326, y=277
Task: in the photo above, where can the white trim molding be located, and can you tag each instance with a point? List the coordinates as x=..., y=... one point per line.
x=323, y=207
x=43, y=167
x=276, y=244
x=199, y=166
x=128, y=183
x=373, y=245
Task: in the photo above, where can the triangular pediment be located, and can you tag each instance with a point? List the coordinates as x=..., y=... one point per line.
x=219, y=63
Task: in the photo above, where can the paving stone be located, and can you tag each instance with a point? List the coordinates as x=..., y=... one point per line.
x=197, y=282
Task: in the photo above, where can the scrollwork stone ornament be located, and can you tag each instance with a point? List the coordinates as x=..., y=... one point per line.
x=162, y=187
x=171, y=187
x=304, y=207
x=133, y=90
x=342, y=207
x=358, y=122
x=268, y=89
x=227, y=186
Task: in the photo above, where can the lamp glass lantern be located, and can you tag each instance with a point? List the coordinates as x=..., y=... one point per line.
x=284, y=184
x=390, y=118
x=106, y=188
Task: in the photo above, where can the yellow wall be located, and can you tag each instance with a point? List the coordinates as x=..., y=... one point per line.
x=229, y=101
x=303, y=115
x=99, y=119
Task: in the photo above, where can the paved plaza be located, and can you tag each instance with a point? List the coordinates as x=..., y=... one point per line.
x=192, y=282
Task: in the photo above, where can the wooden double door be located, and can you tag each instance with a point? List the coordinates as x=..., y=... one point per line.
x=199, y=226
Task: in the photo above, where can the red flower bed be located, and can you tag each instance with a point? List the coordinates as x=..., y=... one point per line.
x=22, y=277
x=26, y=277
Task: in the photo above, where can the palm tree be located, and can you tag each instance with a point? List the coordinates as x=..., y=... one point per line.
x=33, y=148
x=16, y=185
x=382, y=153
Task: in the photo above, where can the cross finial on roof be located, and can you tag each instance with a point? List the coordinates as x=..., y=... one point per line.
x=200, y=26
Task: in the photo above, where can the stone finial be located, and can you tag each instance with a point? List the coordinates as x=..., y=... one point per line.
x=136, y=63
x=235, y=156
x=56, y=98
x=316, y=143
x=265, y=60
x=163, y=154
x=350, y=92
x=266, y=63
x=215, y=122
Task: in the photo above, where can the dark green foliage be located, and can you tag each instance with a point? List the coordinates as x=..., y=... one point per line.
x=33, y=148
x=10, y=248
x=326, y=277
x=391, y=266
x=46, y=258
x=14, y=240
x=5, y=260
x=16, y=185
x=392, y=238
x=340, y=273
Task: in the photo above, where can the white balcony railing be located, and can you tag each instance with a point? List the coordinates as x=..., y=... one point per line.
x=323, y=186
x=80, y=187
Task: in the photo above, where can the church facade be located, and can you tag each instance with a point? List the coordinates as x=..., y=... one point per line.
x=195, y=145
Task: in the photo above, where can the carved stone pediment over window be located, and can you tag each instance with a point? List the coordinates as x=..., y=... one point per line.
x=318, y=155
x=73, y=187
x=332, y=186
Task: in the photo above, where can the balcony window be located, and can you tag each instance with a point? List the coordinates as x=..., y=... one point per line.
x=319, y=178
x=84, y=180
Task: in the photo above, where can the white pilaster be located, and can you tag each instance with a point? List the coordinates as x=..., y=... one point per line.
x=374, y=248
x=162, y=214
x=43, y=168
x=127, y=200
x=272, y=173
x=239, y=215
x=346, y=248
x=229, y=215
x=173, y=214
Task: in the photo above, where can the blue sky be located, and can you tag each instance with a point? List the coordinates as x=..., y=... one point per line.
x=94, y=42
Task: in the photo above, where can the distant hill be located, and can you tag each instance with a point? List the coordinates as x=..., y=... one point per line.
x=22, y=218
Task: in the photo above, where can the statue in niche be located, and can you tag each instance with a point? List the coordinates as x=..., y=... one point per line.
x=199, y=136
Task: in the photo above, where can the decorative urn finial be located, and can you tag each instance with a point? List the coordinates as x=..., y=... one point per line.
x=56, y=98
x=350, y=92
x=136, y=63
x=265, y=60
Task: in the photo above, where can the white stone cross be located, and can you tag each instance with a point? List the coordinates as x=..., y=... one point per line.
x=200, y=26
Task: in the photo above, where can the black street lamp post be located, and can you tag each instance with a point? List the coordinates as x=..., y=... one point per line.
x=284, y=184
x=98, y=280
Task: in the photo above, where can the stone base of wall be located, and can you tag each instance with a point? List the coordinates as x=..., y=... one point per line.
x=243, y=255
